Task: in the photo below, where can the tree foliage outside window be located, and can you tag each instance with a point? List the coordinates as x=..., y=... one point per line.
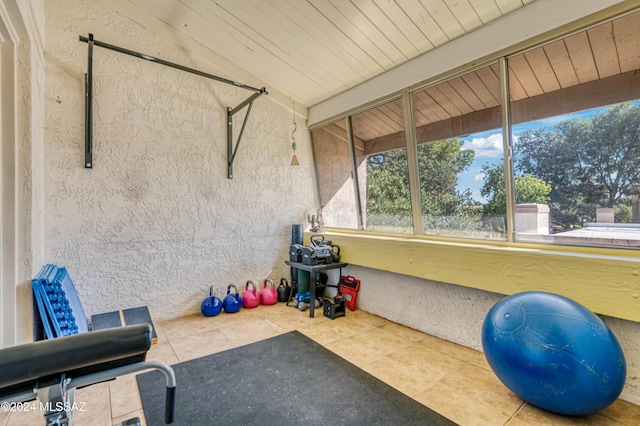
x=443, y=206
x=589, y=163
x=388, y=199
x=528, y=189
x=576, y=167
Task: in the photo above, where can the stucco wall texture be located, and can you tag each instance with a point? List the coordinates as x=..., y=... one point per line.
x=157, y=221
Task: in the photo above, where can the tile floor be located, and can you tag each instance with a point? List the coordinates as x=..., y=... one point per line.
x=451, y=379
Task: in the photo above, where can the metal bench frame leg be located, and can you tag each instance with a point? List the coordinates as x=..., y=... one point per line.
x=58, y=399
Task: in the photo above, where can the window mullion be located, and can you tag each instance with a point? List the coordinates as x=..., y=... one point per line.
x=412, y=160
x=508, y=152
x=354, y=173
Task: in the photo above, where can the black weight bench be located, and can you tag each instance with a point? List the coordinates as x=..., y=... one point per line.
x=51, y=370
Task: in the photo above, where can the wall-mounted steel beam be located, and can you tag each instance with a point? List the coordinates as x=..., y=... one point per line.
x=231, y=150
x=88, y=162
x=88, y=108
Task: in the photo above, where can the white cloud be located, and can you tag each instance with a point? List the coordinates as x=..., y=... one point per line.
x=486, y=147
x=478, y=177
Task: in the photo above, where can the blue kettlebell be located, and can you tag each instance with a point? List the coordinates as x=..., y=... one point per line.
x=232, y=302
x=212, y=305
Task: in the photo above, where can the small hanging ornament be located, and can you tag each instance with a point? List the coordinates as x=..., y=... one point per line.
x=294, y=159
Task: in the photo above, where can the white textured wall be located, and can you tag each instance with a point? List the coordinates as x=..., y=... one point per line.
x=456, y=313
x=22, y=129
x=337, y=194
x=156, y=221
x=31, y=159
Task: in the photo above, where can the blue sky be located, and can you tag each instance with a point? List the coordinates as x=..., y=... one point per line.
x=488, y=148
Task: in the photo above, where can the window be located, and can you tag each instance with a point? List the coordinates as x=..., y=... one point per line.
x=381, y=164
x=574, y=175
x=576, y=132
x=331, y=151
x=460, y=155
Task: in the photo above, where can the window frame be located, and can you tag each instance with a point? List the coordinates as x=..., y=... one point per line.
x=502, y=58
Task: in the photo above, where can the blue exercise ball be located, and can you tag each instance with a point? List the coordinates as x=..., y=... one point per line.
x=554, y=353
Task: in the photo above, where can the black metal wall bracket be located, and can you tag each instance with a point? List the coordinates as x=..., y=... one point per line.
x=231, y=150
x=88, y=108
x=88, y=83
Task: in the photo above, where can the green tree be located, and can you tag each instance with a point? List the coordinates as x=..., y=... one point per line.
x=528, y=189
x=590, y=163
x=388, y=184
x=439, y=163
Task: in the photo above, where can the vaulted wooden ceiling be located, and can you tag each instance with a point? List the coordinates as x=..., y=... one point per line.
x=592, y=68
x=311, y=50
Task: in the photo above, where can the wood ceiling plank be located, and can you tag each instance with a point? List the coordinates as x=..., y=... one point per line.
x=420, y=116
x=480, y=90
x=386, y=28
x=374, y=33
x=454, y=96
x=605, y=52
x=443, y=100
x=393, y=110
x=405, y=24
x=463, y=89
x=421, y=18
x=542, y=69
x=561, y=64
x=580, y=53
x=524, y=74
x=507, y=6
x=627, y=34
x=367, y=124
x=389, y=117
x=444, y=18
x=594, y=94
x=274, y=32
x=487, y=10
x=421, y=119
x=422, y=106
x=310, y=38
x=464, y=14
x=491, y=81
x=230, y=43
x=478, y=121
x=325, y=30
x=357, y=36
x=516, y=91
x=599, y=93
x=430, y=108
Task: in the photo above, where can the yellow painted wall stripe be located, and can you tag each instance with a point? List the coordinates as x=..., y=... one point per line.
x=607, y=281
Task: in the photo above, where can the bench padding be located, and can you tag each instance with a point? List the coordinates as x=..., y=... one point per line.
x=25, y=366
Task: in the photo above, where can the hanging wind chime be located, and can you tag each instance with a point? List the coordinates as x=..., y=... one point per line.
x=294, y=159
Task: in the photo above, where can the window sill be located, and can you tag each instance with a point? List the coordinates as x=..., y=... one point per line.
x=605, y=280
